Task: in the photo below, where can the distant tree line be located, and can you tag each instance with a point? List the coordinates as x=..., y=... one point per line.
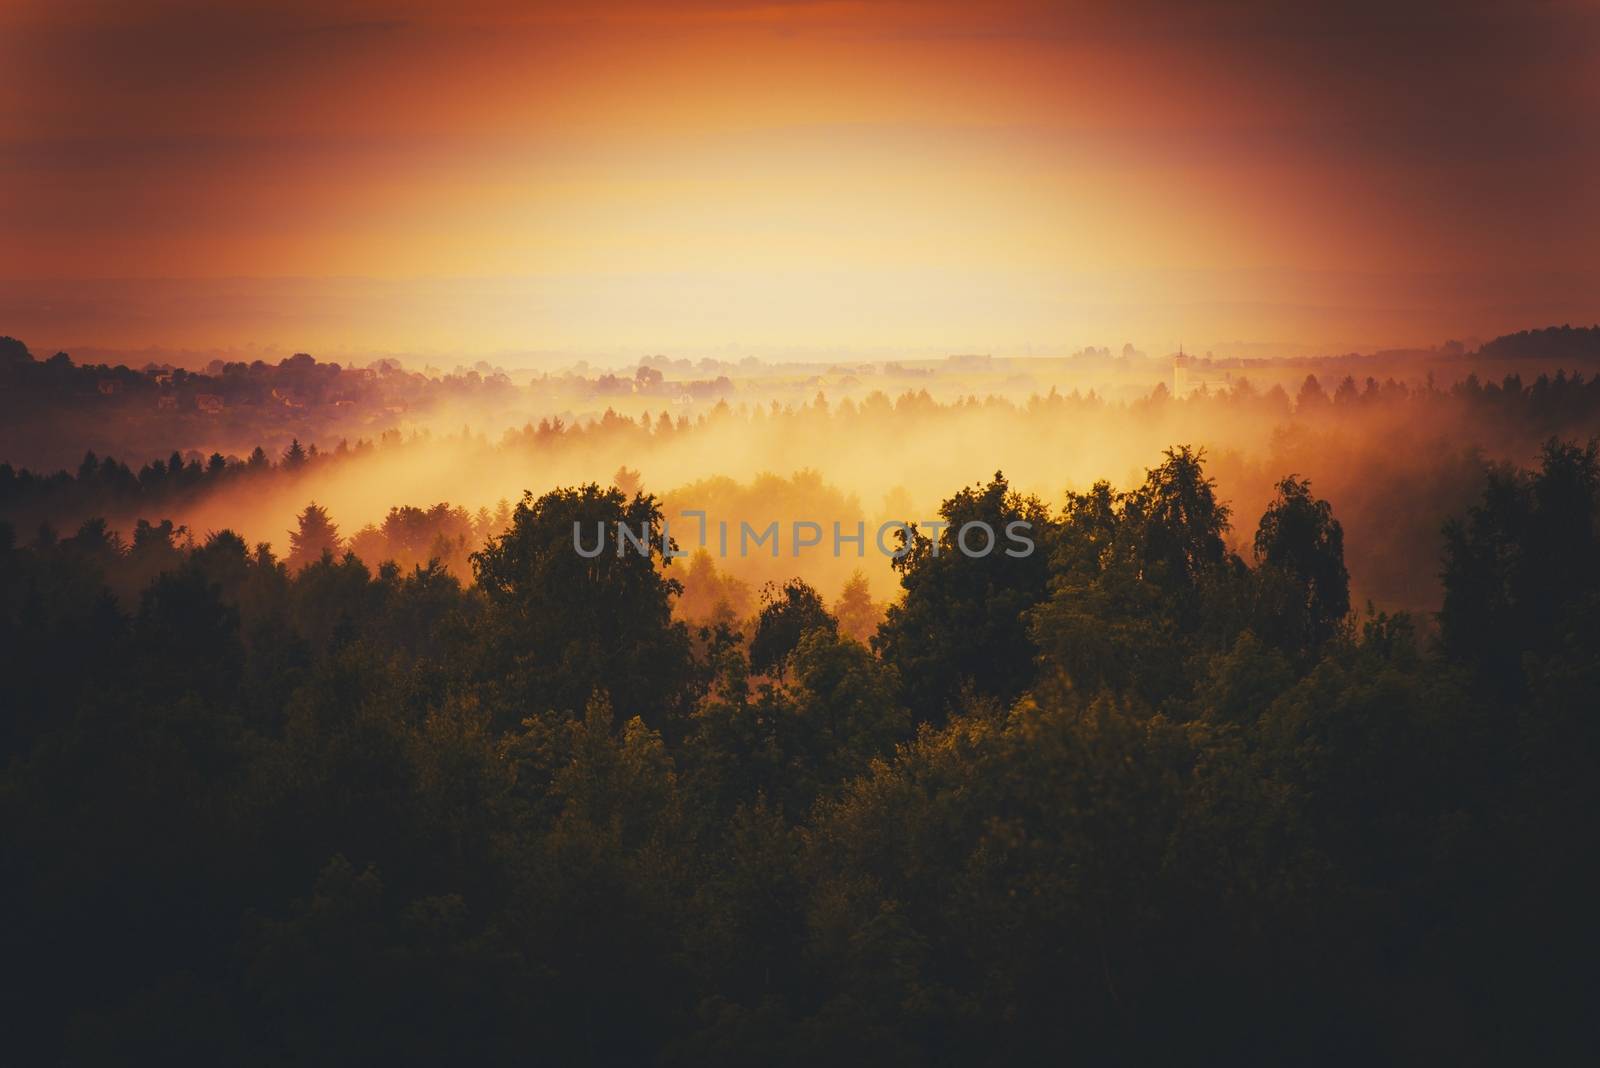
x=295, y=382
x=51, y=407
x=1550, y=343
x=1507, y=411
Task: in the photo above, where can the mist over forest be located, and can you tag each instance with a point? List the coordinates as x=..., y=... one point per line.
x=1398, y=441
x=802, y=533
x=324, y=741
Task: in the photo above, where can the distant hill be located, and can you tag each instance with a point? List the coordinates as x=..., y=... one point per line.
x=1552, y=342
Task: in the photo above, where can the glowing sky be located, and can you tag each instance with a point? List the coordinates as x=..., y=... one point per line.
x=662, y=176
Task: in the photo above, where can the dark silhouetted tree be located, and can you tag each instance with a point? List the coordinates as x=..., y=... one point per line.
x=1299, y=535
x=963, y=620
x=1521, y=569
x=316, y=534
x=567, y=625
x=788, y=613
x=1183, y=520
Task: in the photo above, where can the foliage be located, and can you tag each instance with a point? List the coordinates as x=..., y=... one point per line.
x=564, y=626
x=788, y=613
x=1129, y=799
x=962, y=622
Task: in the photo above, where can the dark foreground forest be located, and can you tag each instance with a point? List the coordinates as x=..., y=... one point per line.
x=1131, y=799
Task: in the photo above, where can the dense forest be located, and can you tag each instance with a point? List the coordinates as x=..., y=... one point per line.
x=1158, y=790
x=799, y=533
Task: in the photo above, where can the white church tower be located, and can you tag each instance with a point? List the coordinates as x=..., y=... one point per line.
x=1180, y=374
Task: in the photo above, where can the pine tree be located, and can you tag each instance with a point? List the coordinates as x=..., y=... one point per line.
x=317, y=535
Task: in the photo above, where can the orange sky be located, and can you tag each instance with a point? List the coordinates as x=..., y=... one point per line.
x=640, y=176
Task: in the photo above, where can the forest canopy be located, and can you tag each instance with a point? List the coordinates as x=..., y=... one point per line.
x=1139, y=795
